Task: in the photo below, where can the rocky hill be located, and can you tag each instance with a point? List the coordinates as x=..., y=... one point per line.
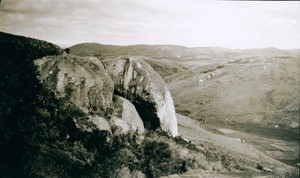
x=254, y=92
x=65, y=115
x=85, y=82
x=75, y=115
x=137, y=81
x=223, y=84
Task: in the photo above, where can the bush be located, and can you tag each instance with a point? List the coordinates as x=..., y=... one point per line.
x=160, y=159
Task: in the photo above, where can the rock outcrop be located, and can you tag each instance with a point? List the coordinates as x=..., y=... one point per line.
x=125, y=118
x=125, y=172
x=100, y=122
x=135, y=80
x=81, y=80
x=61, y=116
x=85, y=82
x=92, y=123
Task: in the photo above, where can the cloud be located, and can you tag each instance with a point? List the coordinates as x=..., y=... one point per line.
x=184, y=22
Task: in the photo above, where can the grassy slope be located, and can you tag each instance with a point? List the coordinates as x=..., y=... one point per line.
x=232, y=153
x=255, y=95
x=225, y=85
x=250, y=91
x=242, y=91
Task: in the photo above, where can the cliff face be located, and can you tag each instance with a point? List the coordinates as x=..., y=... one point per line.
x=138, y=82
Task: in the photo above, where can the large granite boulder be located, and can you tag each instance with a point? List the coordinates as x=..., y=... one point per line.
x=82, y=81
x=135, y=80
x=125, y=118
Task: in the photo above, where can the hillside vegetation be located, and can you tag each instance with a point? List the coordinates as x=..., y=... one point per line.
x=256, y=85
x=253, y=91
x=40, y=138
x=74, y=115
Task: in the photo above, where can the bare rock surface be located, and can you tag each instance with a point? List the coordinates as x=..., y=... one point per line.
x=125, y=172
x=81, y=80
x=100, y=122
x=138, y=82
x=125, y=118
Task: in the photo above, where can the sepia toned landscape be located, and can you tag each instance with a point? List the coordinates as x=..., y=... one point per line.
x=236, y=110
x=79, y=105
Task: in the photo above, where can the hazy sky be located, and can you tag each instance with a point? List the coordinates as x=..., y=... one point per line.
x=233, y=24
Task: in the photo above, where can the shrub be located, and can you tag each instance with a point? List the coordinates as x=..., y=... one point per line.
x=160, y=160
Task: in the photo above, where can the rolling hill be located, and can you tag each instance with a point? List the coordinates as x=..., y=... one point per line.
x=65, y=115
x=259, y=85
x=253, y=91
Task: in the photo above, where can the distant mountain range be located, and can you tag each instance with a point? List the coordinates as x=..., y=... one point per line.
x=167, y=51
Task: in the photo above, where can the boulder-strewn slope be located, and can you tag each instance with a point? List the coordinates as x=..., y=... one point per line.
x=138, y=82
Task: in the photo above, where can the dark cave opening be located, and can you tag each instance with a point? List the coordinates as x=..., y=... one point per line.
x=148, y=113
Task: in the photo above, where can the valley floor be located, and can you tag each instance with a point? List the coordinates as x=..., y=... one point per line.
x=279, y=143
x=243, y=148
